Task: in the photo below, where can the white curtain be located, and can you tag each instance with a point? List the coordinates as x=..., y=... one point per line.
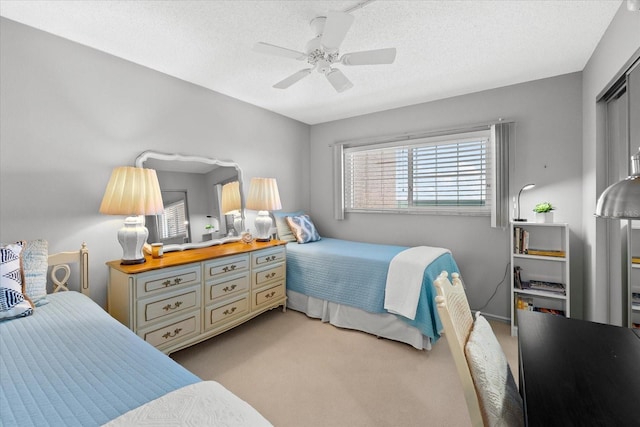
x=501, y=138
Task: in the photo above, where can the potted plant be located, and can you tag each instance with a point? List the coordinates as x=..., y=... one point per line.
x=544, y=212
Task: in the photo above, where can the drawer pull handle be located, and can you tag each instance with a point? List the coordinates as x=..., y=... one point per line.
x=270, y=275
x=270, y=258
x=171, y=335
x=229, y=288
x=168, y=283
x=229, y=311
x=270, y=294
x=169, y=307
x=228, y=268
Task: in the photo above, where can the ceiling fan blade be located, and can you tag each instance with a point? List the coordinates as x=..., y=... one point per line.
x=370, y=57
x=335, y=29
x=272, y=49
x=338, y=80
x=292, y=79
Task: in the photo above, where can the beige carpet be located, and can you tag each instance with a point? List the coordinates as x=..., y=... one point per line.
x=301, y=372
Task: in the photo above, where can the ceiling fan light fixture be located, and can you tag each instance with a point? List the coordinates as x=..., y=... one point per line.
x=323, y=51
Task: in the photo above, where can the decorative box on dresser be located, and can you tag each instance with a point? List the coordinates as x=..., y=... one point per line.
x=186, y=297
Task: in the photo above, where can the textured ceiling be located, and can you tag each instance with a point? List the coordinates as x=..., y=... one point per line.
x=444, y=48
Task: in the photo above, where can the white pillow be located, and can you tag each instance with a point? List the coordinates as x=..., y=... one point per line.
x=500, y=401
x=35, y=258
x=284, y=231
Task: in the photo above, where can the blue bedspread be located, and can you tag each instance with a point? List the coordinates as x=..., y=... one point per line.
x=71, y=364
x=355, y=274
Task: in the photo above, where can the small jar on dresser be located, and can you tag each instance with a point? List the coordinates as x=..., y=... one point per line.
x=186, y=297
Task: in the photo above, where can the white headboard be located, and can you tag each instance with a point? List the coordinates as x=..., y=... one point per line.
x=62, y=261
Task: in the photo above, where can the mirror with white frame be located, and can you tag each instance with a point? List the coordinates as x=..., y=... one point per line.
x=191, y=189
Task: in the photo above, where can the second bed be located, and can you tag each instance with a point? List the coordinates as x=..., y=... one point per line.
x=343, y=282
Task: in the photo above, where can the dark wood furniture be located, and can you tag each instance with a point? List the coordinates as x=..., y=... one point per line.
x=578, y=373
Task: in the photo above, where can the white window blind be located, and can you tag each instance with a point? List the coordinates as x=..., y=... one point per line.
x=447, y=173
x=173, y=221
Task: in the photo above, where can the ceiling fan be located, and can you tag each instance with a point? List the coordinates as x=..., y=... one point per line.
x=322, y=52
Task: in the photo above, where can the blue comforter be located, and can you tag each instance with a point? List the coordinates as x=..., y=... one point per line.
x=355, y=274
x=71, y=364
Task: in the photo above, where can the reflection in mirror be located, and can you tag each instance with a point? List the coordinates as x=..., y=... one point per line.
x=231, y=207
x=170, y=227
x=191, y=192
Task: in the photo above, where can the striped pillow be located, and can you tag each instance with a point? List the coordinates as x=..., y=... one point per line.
x=13, y=302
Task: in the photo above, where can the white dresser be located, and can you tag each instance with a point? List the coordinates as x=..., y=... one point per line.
x=186, y=297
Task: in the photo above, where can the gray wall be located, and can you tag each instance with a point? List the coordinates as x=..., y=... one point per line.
x=619, y=43
x=547, y=151
x=70, y=114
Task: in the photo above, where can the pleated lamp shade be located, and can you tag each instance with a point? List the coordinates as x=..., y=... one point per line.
x=263, y=195
x=231, y=197
x=132, y=191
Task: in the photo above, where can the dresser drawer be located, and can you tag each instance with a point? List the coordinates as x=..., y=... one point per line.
x=217, y=316
x=267, y=256
x=268, y=275
x=173, y=331
x=226, y=287
x=167, y=279
x=267, y=296
x=226, y=265
x=168, y=304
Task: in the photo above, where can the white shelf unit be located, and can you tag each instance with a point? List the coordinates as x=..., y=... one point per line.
x=547, y=237
x=634, y=273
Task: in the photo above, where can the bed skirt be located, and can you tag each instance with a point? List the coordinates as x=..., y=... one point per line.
x=383, y=325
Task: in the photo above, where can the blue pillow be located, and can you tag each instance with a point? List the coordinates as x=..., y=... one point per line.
x=302, y=227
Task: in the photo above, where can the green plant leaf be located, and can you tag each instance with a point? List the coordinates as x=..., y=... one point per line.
x=543, y=207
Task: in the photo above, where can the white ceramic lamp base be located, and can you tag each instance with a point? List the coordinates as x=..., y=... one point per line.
x=132, y=237
x=263, y=226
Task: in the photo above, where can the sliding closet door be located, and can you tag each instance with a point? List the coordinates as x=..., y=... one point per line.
x=617, y=169
x=633, y=274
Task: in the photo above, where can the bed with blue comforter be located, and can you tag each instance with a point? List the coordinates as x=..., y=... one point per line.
x=71, y=364
x=353, y=274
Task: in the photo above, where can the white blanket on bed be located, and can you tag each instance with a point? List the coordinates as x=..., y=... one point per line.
x=205, y=403
x=405, y=277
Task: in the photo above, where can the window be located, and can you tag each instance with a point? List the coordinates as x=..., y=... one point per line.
x=172, y=223
x=444, y=174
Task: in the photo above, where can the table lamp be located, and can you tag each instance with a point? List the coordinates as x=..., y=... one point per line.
x=132, y=191
x=263, y=197
x=524, y=188
x=231, y=204
x=622, y=199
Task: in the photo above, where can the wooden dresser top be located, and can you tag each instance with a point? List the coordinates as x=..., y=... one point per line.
x=172, y=259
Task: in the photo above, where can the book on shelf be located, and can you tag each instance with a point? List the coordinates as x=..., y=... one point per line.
x=546, y=252
x=549, y=310
x=520, y=240
x=635, y=260
x=517, y=277
x=523, y=303
x=541, y=285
